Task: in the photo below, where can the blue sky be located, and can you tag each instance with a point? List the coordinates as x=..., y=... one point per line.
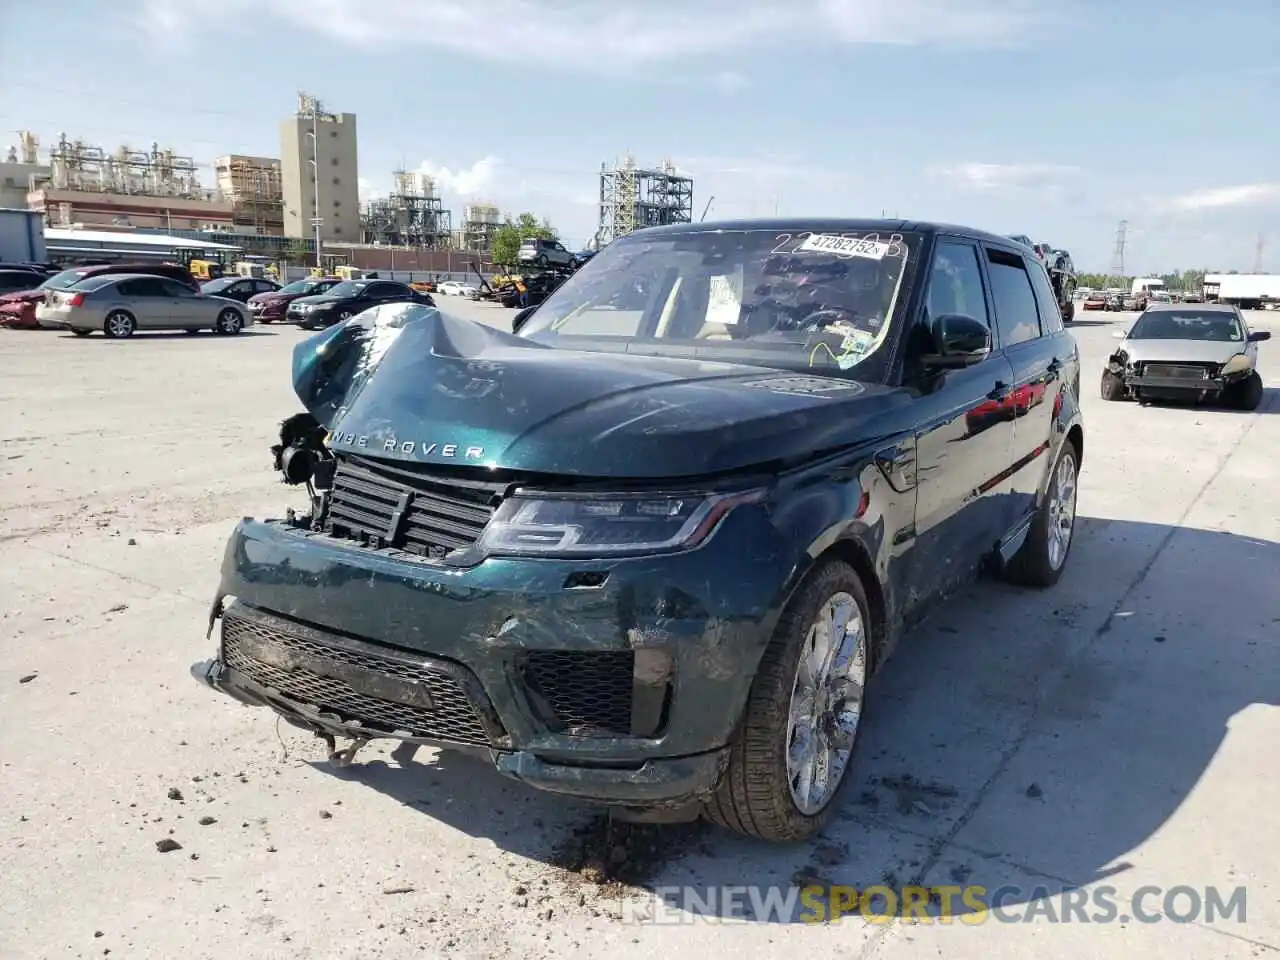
x=1053, y=119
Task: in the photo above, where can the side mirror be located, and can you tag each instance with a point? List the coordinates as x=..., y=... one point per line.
x=959, y=341
x=521, y=318
x=1259, y=335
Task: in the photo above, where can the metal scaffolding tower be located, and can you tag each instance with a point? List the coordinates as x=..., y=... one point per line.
x=632, y=198
x=1117, y=258
x=411, y=216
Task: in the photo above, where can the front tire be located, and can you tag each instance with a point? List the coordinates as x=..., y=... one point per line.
x=1112, y=386
x=1043, y=557
x=229, y=322
x=119, y=324
x=799, y=732
x=1248, y=393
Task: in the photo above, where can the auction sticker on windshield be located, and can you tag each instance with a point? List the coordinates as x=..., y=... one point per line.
x=845, y=246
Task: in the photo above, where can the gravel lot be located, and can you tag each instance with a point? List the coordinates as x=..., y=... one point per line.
x=1120, y=729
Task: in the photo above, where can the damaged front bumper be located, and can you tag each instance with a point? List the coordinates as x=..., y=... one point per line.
x=618, y=681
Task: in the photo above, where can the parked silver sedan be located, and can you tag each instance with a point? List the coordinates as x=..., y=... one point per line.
x=121, y=304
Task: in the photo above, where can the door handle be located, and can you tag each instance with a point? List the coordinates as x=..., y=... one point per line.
x=1000, y=391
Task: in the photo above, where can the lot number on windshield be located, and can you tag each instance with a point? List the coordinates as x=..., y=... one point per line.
x=845, y=246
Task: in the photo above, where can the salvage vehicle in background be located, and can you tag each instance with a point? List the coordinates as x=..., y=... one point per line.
x=650, y=550
x=122, y=304
x=19, y=309
x=273, y=305
x=343, y=301
x=239, y=288
x=1180, y=353
x=1097, y=300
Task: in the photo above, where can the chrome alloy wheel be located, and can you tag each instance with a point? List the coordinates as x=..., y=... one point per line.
x=826, y=703
x=1062, y=509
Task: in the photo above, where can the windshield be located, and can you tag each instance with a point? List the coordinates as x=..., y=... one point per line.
x=348, y=288
x=303, y=286
x=1216, y=325
x=60, y=281
x=799, y=300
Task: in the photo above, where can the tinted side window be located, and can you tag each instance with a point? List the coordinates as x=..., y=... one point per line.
x=143, y=287
x=382, y=291
x=172, y=288
x=1050, y=312
x=955, y=283
x=1017, y=317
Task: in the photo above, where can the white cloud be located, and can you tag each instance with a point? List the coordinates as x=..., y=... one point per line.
x=1008, y=177
x=604, y=38
x=951, y=22
x=730, y=81
x=469, y=181
x=1220, y=198
x=367, y=190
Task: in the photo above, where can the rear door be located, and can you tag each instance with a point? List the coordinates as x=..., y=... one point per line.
x=149, y=300
x=1039, y=350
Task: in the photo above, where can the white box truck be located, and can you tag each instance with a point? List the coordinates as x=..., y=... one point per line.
x=21, y=236
x=1248, y=291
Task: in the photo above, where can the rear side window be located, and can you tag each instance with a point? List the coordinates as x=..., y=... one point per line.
x=144, y=287
x=1050, y=312
x=1017, y=315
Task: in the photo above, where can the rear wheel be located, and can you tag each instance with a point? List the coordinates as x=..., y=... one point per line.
x=800, y=728
x=1043, y=556
x=119, y=324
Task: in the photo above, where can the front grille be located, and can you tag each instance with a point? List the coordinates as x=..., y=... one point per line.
x=1177, y=371
x=582, y=691
x=386, y=693
x=429, y=514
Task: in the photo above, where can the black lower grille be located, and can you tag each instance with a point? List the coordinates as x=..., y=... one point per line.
x=392, y=505
x=387, y=693
x=1177, y=371
x=583, y=691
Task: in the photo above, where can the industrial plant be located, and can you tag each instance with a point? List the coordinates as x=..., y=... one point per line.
x=632, y=198
x=411, y=216
x=303, y=205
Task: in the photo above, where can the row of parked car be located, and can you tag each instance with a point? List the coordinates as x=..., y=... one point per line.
x=123, y=298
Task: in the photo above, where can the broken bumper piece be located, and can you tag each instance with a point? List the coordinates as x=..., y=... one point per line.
x=652, y=784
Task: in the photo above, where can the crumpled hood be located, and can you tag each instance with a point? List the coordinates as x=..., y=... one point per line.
x=1182, y=351
x=22, y=296
x=408, y=382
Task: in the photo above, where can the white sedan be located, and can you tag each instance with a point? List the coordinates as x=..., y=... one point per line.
x=453, y=288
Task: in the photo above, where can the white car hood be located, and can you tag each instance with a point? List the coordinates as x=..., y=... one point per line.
x=1185, y=351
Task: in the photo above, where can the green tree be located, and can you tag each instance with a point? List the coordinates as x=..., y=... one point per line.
x=507, y=238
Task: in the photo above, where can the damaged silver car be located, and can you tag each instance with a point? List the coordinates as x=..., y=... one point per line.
x=1186, y=353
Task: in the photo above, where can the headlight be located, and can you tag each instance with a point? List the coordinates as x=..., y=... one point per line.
x=612, y=524
x=1237, y=364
